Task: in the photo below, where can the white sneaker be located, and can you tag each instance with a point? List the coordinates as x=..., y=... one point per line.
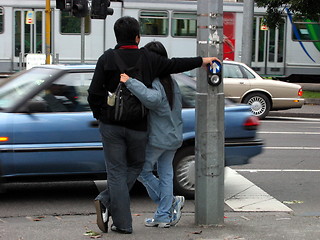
x=177, y=206
x=150, y=222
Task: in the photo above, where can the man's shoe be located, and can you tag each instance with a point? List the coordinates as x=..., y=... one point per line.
x=177, y=206
x=118, y=230
x=150, y=222
x=102, y=216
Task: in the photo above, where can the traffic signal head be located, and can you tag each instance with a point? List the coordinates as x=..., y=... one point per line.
x=60, y=4
x=80, y=8
x=100, y=9
x=64, y=4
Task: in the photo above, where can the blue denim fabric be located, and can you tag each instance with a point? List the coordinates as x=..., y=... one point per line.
x=159, y=189
x=124, y=151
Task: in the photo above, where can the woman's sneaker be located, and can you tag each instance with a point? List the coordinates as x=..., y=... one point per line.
x=177, y=206
x=150, y=222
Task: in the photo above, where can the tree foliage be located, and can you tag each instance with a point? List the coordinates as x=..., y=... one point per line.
x=306, y=9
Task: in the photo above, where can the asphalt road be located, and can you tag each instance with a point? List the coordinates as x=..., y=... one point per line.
x=289, y=168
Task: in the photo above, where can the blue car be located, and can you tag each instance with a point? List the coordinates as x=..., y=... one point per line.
x=47, y=131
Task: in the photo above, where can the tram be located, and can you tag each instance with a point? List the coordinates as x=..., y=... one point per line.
x=291, y=51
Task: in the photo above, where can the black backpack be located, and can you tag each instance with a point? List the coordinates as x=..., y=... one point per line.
x=123, y=106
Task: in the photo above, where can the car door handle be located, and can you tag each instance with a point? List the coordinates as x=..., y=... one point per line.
x=94, y=124
x=241, y=82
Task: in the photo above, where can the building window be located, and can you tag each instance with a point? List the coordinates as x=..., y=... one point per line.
x=1, y=19
x=72, y=25
x=184, y=24
x=308, y=31
x=154, y=23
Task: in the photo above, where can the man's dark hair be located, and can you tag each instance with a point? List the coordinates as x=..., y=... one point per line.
x=126, y=29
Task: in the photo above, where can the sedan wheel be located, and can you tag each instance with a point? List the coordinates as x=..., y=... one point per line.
x=184, y=172
x=260, y=104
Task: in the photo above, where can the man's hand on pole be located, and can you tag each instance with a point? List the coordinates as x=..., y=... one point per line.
x=209, y=60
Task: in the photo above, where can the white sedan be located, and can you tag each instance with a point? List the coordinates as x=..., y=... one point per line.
x=244, y=85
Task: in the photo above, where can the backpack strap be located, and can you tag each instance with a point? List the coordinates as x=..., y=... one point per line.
x=135, y=71
x=119, y=62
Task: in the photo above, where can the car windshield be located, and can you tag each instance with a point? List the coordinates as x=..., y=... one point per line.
x=18, y=87
x=187, y=87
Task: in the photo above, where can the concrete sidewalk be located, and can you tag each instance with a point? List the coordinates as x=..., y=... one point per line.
x=237, y=225
x=260, y=217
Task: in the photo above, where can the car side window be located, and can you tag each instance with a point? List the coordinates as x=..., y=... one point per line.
x=232, y=71
x=248, y=73
x=67, y=94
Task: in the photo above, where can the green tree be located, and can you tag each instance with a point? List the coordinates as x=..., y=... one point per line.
x=306, y=9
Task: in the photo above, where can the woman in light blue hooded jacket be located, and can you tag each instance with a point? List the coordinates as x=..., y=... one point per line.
x=165, y=136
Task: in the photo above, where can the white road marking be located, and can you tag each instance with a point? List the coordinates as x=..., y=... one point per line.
x=243, y=195
x=293, y=118
x=294, y=133
x=101, y=185
x=278, y=170
x=293, y=148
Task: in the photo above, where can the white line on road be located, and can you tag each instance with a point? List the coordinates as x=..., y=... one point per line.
x=293, y=118
x=294, y=133
x=293, y=148
x=240, y=194
x=278, y=170
x=243, y=195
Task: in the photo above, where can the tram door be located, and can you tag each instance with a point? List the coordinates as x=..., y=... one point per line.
x=268, y=49
x=29, y=35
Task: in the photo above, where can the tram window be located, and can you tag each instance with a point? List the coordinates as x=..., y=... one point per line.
x=308, y=31
x=184, y=24
x=1, y=19
x=154, y=23
x=72, y=25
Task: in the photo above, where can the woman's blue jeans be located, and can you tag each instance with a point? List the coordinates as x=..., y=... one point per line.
x=160, y=189
x=124, y=151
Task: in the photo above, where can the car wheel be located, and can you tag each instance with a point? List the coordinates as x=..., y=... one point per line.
x=260, y=104
x=184, y=172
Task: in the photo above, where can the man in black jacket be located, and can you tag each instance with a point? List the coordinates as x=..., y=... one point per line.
x=124, y=142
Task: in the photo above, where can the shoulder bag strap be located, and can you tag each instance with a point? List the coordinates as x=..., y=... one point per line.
x=120, y=63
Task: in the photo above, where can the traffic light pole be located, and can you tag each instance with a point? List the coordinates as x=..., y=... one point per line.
x=246, y=48
x=82, y=39
x=209, y=189
x=100, y=9
x=48, y=31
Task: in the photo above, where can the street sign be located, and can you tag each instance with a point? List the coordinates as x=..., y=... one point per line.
x=214, y=76
x=30, y=17
x=215, y=68
x=36, y=59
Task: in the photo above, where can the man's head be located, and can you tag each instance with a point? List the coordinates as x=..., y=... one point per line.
x=127, y=29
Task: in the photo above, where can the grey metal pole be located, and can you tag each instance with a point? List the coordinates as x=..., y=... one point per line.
x=246, y=50
x=82, y=39
x=209, y=189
